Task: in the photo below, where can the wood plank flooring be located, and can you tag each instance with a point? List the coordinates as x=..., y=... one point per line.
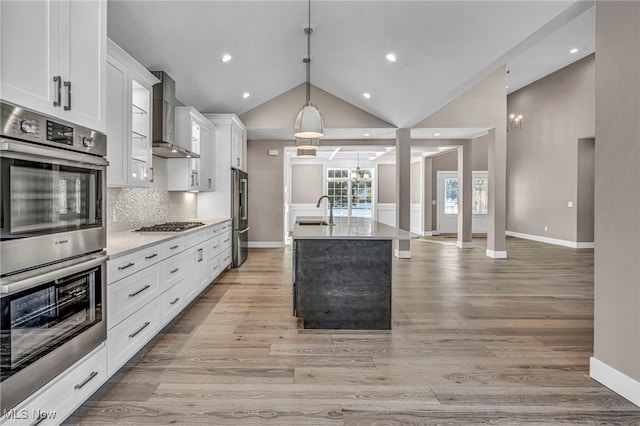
x=474, y=341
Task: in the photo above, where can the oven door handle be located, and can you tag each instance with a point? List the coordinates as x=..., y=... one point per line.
x=52, y=276
x=58, y=156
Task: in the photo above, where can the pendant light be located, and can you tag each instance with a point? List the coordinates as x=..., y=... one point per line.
x=305, y=153
x=304, y=143
x=308, y=123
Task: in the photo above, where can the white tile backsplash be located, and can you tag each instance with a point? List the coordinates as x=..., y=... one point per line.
x=130, y=208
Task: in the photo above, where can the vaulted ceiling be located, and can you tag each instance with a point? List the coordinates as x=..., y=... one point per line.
x=442, y=48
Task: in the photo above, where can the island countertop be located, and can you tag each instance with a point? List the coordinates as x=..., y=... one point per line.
x=349, y=228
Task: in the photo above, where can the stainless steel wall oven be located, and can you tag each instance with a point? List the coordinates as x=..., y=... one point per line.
x=52, y=241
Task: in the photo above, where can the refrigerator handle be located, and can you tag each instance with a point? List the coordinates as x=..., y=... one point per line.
x=243, y=210
x=244, y=230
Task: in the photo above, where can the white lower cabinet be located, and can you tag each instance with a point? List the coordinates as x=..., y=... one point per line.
x=63, y=395
x=173, y=301
x=131, y=293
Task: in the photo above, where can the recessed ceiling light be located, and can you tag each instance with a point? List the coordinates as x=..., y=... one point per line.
x=366, y=134
x=507, y=86
x=574, y=50
x=367, y=95
x=246, y=95
x=436, y=134
x=225, y=58
x=391, y=57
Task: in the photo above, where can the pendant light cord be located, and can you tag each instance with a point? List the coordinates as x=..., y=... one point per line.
x=308, y=59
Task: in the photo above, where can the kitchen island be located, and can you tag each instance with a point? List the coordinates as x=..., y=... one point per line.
x=342, y=273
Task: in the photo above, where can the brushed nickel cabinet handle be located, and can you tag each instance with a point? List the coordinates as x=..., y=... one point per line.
x=174, y=301
x=58, y=101
x=151, y=256
x=174, y=271
x=174, y=247
x=41, y=418
x=87, y=380
x=135, y=293
x=129, y=265
x=135, y=333
x=67, y=107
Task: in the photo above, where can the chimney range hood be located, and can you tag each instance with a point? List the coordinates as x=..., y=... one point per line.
x=164, y=119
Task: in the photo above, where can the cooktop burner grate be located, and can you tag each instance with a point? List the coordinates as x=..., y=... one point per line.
x=170, y=227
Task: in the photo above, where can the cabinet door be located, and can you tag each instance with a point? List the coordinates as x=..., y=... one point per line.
x=208, y=160
x=30, y=58
x=83, y=62
x=140, y=156
x=117, y=124
x=236, y=147
x=204, y=274
x=190, y=281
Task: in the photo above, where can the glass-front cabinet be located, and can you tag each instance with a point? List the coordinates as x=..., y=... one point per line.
x=129, y=113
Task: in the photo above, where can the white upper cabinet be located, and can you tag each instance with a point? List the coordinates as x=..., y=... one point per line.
x=53, y=58
x=129, y=113
x=193, y=133
x=231, y=141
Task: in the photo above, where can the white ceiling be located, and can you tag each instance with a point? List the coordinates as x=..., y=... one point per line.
x=443, y=48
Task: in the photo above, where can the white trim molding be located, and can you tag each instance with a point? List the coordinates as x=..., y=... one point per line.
x=266, y=244
x=496, y=254
x=464, y=244
x=402, y=254
x=618, y=382
x=429, y=233
x=555, y=241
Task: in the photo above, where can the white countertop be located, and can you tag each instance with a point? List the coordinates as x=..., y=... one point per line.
x=349, y=228
x=120, y=243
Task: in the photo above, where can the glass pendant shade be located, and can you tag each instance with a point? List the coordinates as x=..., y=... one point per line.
x=308, y=123
x=306, y=153
x=312, y=143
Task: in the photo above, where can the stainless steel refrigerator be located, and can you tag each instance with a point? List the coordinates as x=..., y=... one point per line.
x=240, y=211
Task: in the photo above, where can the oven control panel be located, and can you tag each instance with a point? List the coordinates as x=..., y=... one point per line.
x=30, y=126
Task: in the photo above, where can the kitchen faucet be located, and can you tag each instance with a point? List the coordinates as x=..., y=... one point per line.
x=330, y=208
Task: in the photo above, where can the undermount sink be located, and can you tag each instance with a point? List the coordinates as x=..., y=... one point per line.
x=314, y=223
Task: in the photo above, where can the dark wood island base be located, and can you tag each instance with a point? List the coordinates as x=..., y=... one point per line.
x=343, y=284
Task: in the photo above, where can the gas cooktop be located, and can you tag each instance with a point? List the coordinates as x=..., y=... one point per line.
x=170, y=227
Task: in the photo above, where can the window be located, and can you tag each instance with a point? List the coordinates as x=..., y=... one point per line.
x=451, y=196
x=480, y=196
x=350, y=197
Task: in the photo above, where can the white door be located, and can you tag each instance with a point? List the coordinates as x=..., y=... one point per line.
x=448, y=202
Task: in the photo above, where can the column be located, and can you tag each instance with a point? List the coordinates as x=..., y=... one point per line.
x=427, y=196
x=403, y=190
x=465, y=192
x=497, y=174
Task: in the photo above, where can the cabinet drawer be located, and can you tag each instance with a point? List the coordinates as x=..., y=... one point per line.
x=214, y=247
x=226, y=226
x=131, y=293
x=64, y=394
x=215, y=267
x=172, y=247
x=172, y=302
x=225, y=258
x=225, y=240
x=125, y=339
x=172, y=271
x=196, y=238
x=216, y=230
x=126, y=265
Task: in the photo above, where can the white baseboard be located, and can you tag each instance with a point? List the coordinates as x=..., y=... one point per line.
x=402, y=254
x=266, y=244
x=496, y=254
x=416, y=230
x=618, y=382
x=555, y=241
x=464, y=244
x=429, y=233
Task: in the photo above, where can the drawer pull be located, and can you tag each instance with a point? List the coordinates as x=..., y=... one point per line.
x=135, y=333
x=135, y=293
x=128, y=265
x=87, y=380
x=151, y=256
x=227, y=240
x=175, y=301
x=174, y=247
x=174, y=271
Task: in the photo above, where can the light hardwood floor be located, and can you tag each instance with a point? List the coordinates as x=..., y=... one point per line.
x=474, y=341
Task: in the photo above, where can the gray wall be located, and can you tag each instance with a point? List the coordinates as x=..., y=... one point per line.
x=266, y=199
x=306, y=183
x=542, y=157
x=617, y=209
x=386, y=183
x=585, y=200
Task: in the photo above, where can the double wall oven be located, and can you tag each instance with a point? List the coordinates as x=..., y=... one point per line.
x=52, y=241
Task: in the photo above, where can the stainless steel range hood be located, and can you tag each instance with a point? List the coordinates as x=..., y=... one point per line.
x=164, y=119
